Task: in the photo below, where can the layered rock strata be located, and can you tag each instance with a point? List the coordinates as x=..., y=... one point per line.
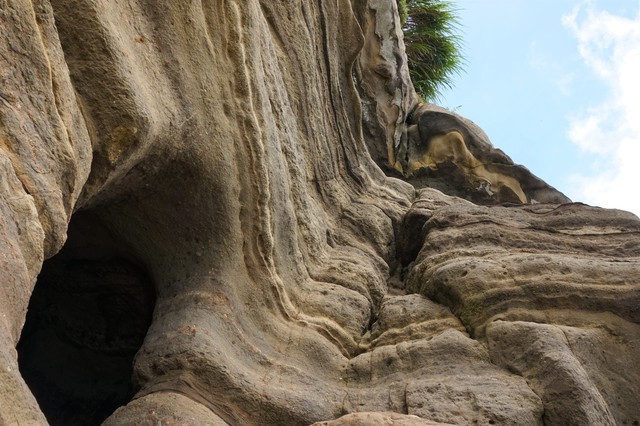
x=214, y=162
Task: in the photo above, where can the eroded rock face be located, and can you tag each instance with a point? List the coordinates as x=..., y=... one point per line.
x=448, y=152
x=382, y=75
x=212, y=161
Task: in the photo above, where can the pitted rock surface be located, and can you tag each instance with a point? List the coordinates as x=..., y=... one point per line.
x=220, y=164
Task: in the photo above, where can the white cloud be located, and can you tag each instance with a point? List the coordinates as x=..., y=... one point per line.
x=610, y=47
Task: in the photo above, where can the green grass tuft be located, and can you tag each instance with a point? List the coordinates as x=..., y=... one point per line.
x=432, y=43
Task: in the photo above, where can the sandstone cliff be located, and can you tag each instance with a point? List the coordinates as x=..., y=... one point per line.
x=238, y=212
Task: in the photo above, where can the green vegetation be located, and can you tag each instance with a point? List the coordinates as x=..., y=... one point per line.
x=433, y=45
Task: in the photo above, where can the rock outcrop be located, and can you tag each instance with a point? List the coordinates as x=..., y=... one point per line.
x=220, y=164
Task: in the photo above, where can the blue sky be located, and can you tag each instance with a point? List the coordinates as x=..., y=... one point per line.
x=556, y=85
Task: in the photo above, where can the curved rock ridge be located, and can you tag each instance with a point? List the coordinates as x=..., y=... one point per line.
x=451, y=153
x=424, y=144
x=370, y=418
x=484, y=262
x=553, y=290
x=227, y=156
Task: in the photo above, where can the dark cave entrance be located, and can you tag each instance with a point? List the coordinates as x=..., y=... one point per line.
x=88, y=316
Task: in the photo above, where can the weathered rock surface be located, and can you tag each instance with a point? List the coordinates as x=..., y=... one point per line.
x=448, y=152
x=386, y=419
x=213, y=162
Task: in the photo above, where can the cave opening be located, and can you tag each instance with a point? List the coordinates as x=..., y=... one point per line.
x=88, y=315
